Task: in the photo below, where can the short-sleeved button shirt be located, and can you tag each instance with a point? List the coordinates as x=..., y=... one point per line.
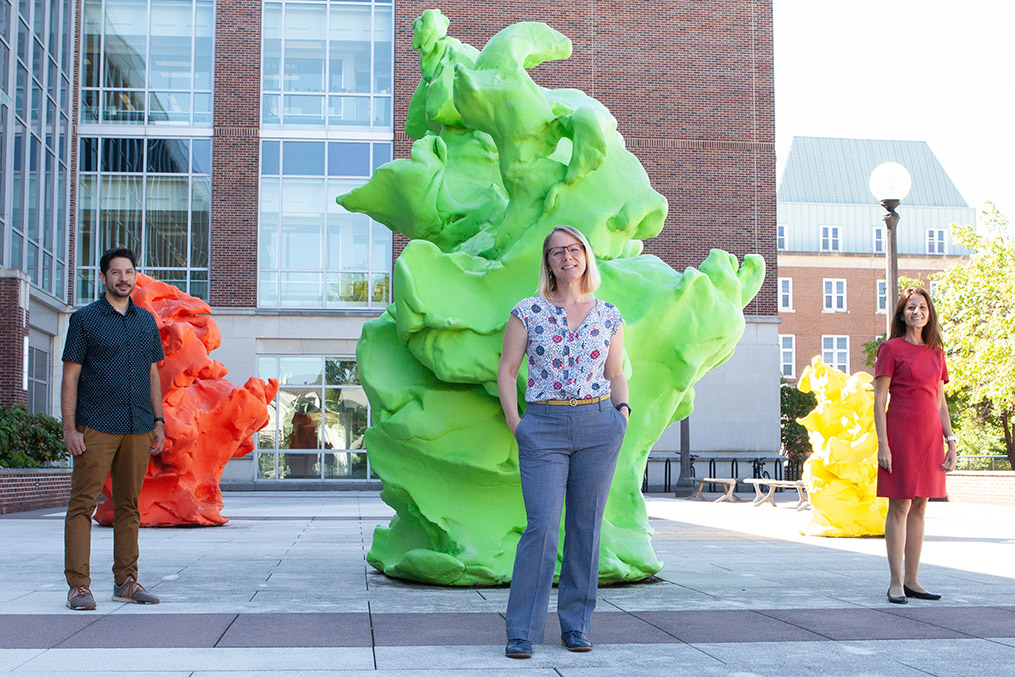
x=116, y=353
x=565, y=364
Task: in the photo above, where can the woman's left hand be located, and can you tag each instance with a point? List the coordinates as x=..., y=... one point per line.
x=951, y=459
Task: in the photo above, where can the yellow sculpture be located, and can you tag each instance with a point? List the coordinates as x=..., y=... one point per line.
x=842, y=473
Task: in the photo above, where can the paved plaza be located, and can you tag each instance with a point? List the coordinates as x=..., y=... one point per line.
x=284, y=588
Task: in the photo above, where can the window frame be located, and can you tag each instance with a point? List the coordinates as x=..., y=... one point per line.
x=881, y=297
x=878, y=241
x=788, y=293
x=828, y=298
x=936, y=239
x=831, y=240
x=791, y=351
x=835, y=351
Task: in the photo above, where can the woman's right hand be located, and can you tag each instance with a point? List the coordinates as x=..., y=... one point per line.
x=885, y=457
x=513, y=425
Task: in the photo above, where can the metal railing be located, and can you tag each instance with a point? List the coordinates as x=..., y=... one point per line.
x=988, y=462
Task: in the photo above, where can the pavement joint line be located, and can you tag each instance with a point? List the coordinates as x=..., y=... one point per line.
x=373, y=641
x=235, y=617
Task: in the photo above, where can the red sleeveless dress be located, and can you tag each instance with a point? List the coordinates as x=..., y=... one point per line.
x=913, y=420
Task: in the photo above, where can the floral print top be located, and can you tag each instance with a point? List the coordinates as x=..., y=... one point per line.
x=565, y=364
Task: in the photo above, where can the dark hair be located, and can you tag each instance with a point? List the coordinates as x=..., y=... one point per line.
x=116, y=253
x=931, y=331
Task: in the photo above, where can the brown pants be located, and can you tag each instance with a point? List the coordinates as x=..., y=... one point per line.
x=125, y=457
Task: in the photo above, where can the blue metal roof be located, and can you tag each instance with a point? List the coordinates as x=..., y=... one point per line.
x=827, y=170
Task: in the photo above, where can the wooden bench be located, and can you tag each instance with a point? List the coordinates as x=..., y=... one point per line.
x=730, y=485
x=760, y=497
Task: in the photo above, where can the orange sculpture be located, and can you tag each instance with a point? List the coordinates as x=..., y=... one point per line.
x=208, y=419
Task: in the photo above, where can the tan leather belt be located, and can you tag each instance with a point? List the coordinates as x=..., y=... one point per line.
x=573, y=402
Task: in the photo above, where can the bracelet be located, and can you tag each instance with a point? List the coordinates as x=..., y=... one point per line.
x=624, y=404
x=951, y=438
x=159, y=419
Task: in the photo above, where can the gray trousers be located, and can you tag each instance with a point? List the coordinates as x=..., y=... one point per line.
x=564, y=453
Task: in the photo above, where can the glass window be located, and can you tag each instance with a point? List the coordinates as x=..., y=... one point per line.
x=834, y=296
x=882, y=294
x=317, y=422
x=147, y=61
x=936, y=241
x=829, y=238
x=311, y=252
x=835, y=352
x=303, y=158
x=312, y=50
x=787, y=355
x=785, y=293
x=878, y=236
x=152, y=196
x=38, y=381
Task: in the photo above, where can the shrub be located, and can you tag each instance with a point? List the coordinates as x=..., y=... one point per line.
x=795, y=404
x=29, y=440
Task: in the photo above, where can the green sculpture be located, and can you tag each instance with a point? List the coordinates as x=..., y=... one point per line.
x=496, y=163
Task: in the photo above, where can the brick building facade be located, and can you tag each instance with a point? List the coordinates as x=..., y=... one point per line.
x=690, y=83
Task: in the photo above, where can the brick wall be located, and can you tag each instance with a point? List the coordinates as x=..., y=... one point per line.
x=30, y=489
x=13, y=332
x=862, y=323
x=691, y=85
x=234, y=208
x=995, y=488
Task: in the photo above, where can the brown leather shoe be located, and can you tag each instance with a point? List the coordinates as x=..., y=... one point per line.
x=132, y=591
x=81, y=599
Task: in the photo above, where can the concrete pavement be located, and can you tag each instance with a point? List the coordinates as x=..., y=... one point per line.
x=284, y=588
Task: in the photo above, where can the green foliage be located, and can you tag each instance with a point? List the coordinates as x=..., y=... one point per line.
x=795, y=404
x=29, y=440
x=976, y=305
x=870, y=350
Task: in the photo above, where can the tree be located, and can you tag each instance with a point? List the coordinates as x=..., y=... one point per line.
x=795, y=404
x=976, y=305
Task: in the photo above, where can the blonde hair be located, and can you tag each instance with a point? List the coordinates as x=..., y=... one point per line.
x=590, y=280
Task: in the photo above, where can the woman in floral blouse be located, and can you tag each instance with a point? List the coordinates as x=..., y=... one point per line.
x=568, y=440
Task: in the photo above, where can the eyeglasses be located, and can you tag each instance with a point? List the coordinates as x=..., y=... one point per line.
x=557, y=253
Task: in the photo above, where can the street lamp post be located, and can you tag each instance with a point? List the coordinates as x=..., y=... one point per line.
x=890, y=183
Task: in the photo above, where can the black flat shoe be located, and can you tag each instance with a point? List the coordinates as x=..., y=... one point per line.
x=919, y=595
x=897, y=600
x=575, y=640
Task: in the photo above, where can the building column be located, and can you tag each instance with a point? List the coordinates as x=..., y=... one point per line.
x=14, y=297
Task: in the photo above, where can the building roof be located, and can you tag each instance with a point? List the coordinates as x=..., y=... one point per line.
x=828, y=170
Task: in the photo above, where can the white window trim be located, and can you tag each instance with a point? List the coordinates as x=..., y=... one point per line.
x=837, y=239
x=782, y=227
x=834, y=350
x=943, y=240
x=874, y=239
x=789, y=308
x=792, y=361
x=877, y=297
x=845, y=298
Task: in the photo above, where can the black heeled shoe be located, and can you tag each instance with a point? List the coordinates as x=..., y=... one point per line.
x=919, y=595
x=896, y=600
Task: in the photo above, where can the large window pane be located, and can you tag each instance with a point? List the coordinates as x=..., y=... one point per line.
x=271, y=47
x=300, y=418
x=302, y=221
x=383, y=33
x=169, y=64
x=204, y=44
x=168, y=208
x=305, y=39
x=303, y=158
x=299, y=466
x=345, y=418
x=168, y=156
x=200, y=222
x=349, y=49
x=344, y=465
x=124, y=60
x=120, y=212
x=300, y=371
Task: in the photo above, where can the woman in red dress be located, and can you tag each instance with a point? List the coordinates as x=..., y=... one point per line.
x=912, y=458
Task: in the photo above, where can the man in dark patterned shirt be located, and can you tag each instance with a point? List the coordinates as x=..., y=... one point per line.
x=112, y=424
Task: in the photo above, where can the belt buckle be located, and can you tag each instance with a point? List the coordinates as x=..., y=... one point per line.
x=573, y=401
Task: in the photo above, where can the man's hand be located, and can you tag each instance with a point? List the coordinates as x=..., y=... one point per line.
x=75, y=441
x=160, y=438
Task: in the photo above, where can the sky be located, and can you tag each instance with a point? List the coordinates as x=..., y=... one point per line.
x=926, y=70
